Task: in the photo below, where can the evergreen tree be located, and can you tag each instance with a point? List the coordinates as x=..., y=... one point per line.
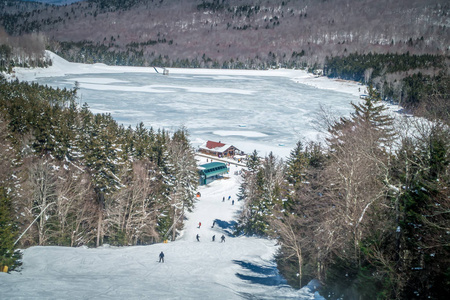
x=180, y=176
x=369, y=123
x=8, y=233
x=296, y=165
x=262, y=190
x=357, y=183
x=253, y=162
x=422, y=214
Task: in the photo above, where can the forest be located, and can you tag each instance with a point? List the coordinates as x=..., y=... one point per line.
x=77, y=178
x=254, y=33
x=367, y=213
x=419, y=83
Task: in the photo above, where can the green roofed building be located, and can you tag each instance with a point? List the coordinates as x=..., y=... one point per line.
x=211, y=171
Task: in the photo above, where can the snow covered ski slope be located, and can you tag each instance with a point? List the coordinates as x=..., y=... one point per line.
x=239, y=268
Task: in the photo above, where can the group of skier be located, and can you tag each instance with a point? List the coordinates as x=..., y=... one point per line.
x=229, y=198
x=222, y=238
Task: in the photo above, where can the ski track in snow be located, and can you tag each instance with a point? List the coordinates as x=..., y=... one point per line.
x=240, y=268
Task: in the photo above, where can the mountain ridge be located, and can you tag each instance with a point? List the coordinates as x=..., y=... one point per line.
x=270, y=32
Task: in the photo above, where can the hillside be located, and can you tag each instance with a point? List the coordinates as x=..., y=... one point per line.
x=240, y=268
x=234, y=33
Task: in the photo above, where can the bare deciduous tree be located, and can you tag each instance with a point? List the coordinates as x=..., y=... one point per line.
x=41, y=182
x=136, y=206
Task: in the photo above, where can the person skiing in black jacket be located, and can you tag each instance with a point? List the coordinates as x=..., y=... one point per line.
x=161, y=257
x=222, y=239
x=198, y=238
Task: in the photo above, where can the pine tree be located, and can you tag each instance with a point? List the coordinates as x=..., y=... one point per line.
x=356, y=180
x=262, y=191
x=180, y=176
x=296, y=165
x=8, y=233
x=253, y=162
x=369, y=123
x=422, y=214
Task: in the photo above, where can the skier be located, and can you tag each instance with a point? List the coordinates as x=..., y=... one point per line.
x=198, y=238
x=214, y=223
x=199, y=224
x=232, y=202
x=223, y=200
x=161, y=257
x=222, y=238
x=229, y=197
x=214, y=238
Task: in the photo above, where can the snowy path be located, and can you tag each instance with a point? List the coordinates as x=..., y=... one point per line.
x=239, y=268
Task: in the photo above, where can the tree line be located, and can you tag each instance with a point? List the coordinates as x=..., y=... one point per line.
x=78, y=178
x=22, y=51
x=367, y=214
x=416, y=82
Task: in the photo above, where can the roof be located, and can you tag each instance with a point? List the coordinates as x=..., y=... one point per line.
x=215, y=146
x=213, y=168
x=212, y=145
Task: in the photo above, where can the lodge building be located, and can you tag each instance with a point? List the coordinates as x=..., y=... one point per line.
x=211, y=171
x=219, y=149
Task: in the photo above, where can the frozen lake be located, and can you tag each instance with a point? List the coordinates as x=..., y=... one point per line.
x=249, y=111
x=264, y=110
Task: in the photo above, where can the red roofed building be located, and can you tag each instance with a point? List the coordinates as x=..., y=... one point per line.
x=219, y=149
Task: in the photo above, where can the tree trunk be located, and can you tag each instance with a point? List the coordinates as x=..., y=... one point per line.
x=99, y=226
x=299, y=257
x=101, y=206
x=174, y=229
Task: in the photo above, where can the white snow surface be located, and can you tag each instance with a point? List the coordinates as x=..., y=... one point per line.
x=62, y=67
x=240, y=268
x=266, y=110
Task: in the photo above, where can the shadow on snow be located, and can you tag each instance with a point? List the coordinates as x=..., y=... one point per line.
x=227, y=226
x=260, y=275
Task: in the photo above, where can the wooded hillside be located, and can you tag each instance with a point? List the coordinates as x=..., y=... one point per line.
x=367, y=214
x=235, y=33
x=84, y=178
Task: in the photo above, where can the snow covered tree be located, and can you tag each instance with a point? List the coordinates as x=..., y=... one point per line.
x=359, y=155
x=422, y=212
x=41, y=182
x=296, y=165
x=262, y=191
x=356, y=181
x=253, y=162
x=180, y=176
x=73, y=222
x=135, y=208
x=102, y=159
x=296, y=222
x=247, y=187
